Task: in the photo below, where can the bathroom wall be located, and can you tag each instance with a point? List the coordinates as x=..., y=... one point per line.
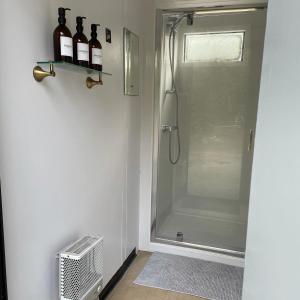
x=69, y=156
x=272, y=255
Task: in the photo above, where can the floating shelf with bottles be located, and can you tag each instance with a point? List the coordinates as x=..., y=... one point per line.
x=75, y=54
x=39, y=73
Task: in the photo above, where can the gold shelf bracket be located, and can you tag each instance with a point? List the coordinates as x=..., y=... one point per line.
x=90, y=82
x=39, y=74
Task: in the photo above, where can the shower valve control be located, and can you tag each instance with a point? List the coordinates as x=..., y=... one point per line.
x=169, y=128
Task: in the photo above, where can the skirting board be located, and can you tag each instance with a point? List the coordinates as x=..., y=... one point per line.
x=119, y=274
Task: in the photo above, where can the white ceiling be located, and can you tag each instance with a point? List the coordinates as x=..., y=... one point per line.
x=167, y=4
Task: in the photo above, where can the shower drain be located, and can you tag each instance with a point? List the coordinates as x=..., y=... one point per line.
x=179, y=236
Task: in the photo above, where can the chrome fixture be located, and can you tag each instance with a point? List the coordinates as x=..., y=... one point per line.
x=173, y=91
x=179, y=236
x=169, y=128
x=170, y=91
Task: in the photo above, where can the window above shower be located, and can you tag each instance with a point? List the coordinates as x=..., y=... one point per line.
x=214, y=47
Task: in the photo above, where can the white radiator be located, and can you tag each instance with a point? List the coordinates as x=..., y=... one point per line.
x=81, y=269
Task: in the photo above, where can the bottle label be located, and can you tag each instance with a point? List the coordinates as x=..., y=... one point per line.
x=97, y=56
x=66, y=46
x=83, y=51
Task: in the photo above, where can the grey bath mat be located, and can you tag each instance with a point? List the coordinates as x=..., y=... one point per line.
x=192, y=276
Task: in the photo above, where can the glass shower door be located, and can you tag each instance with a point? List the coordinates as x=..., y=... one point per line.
x=3, y=291
x=203, y=199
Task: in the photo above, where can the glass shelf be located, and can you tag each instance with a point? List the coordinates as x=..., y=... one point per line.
x=72, y=67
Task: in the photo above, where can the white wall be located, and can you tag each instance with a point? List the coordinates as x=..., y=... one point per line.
x=272, y=257
x=147, y=107
x=69, y=156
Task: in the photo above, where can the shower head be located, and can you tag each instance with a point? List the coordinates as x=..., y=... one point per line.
x=172, y=19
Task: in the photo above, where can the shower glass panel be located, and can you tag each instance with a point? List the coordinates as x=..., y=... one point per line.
x=205, y=115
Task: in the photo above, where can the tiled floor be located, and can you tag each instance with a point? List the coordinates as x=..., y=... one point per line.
x=126, y=290
x=216, y=232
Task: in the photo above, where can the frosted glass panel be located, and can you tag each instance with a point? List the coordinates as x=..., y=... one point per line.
x=214, y=158
x=214, y=47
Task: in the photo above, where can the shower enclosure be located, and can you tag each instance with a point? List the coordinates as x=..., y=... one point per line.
x=207, y=85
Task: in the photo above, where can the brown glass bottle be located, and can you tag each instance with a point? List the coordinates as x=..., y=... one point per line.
x=80, y=45
x=95, y=50
x=62, y=39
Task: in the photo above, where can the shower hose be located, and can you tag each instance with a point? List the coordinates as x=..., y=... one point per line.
x=172, y=37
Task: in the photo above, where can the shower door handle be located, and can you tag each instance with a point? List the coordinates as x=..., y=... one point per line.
x=251, y=138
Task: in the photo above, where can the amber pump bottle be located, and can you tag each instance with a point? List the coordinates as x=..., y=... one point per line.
x=95, y=50
x=62, y=39
x=80, y=45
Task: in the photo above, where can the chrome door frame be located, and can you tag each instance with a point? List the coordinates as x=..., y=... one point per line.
x=3, y=286
x=157, y=124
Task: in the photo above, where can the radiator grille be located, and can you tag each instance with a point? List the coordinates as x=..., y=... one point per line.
x=80, y=273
